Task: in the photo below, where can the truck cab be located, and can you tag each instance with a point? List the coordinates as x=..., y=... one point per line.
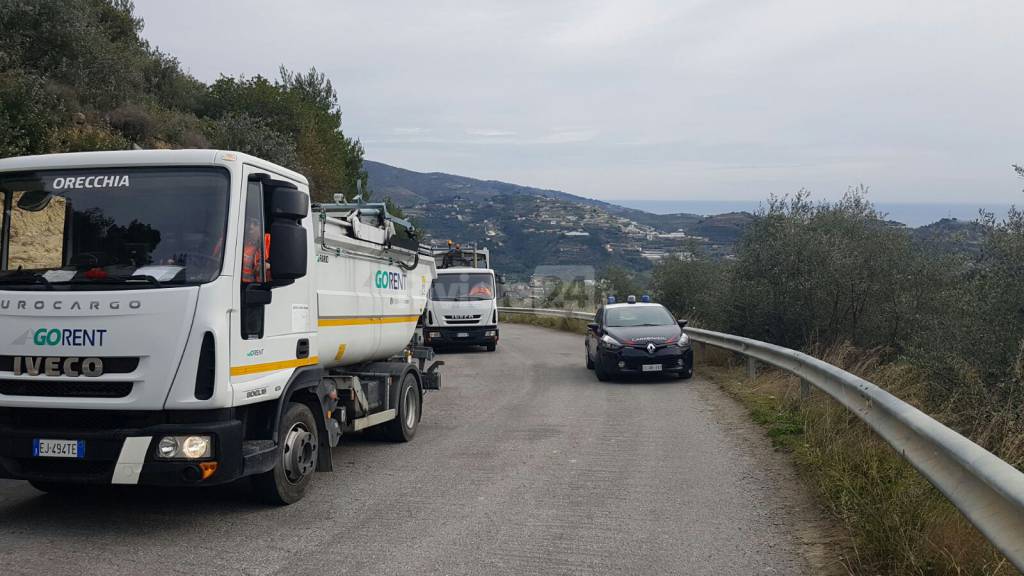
x=462, y=309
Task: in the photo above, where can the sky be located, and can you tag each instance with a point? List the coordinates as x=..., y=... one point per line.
x=651, y=99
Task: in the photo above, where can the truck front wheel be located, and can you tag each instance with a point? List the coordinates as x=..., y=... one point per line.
x=297, y=457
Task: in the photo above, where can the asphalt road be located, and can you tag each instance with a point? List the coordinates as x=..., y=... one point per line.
x=523, y=464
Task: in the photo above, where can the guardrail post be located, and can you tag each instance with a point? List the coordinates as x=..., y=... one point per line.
x=805, y=389
x=751, y=369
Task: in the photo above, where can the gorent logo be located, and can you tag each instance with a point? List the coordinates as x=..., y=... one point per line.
x=73, y=337
x=389, y=280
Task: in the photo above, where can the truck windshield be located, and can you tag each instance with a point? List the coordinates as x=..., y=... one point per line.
x=112, y=228
x=472, y=286
x=638, y=316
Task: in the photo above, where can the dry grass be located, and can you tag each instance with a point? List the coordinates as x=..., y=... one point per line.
x=897, y=522
x=566, y=324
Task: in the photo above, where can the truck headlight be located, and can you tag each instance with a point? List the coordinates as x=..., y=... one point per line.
x=168, y=447
x=610, y=343
x=684, y=341
x=185, y=447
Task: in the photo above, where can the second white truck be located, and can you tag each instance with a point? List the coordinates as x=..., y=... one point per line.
x=462, y=309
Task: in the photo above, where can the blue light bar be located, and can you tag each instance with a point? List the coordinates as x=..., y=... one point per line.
x=611, y=299
x=645, y=298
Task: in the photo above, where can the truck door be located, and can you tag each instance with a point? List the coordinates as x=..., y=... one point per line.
x=274, y=332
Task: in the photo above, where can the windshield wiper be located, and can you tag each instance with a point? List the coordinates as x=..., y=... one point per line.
x=118, y=280
x=146, y=277
x=30, y=278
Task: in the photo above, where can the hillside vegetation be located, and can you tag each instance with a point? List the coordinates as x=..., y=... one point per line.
x=942, y=328
x=77, y=76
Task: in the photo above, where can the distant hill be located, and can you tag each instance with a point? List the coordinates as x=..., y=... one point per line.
x=526, y=227
x=952, y=236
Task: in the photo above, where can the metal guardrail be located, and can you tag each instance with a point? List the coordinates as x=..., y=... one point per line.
x=549, y=312
x=988, y=491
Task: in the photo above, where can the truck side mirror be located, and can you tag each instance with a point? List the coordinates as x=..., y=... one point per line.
x=288, y=244
x=287, y=202
x=288, y=240
x=257, y=295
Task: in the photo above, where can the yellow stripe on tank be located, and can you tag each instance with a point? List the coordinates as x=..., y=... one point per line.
x=271, y=366
x=326, y=321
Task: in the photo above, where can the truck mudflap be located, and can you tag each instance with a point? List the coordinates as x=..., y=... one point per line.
x=430, y=378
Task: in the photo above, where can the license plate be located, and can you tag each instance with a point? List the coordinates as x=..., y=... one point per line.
x=42, y=448
x=462, y=335
x=651, y=368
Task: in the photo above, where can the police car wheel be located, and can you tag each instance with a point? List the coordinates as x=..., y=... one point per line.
x=590, y=361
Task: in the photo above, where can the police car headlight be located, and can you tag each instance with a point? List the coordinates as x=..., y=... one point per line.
x=610, y=343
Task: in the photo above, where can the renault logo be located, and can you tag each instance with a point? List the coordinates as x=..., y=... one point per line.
x=651, y=348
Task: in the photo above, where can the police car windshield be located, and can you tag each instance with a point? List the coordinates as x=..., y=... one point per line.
x=455, y=287
x=632, y=315
x=110, y=228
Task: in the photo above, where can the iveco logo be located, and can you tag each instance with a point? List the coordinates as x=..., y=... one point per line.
x=651, y=348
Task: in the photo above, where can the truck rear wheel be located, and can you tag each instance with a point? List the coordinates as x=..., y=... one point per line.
x=297, y=456
x=403, y=427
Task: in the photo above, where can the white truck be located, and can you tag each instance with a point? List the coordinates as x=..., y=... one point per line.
x=188, y=318
x=463, y=306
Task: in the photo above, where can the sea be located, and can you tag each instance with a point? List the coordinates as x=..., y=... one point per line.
x=908, y=213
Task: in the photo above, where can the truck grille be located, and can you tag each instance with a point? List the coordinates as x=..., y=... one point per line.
x=65, y=388
x=459, y=320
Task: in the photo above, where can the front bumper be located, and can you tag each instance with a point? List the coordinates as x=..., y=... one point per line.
x=109, y=456
x=456, y=335
x=631, y=360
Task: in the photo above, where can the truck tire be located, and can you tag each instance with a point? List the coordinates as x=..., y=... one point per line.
x=297, y=456
x=403, y=427
x=491, y=347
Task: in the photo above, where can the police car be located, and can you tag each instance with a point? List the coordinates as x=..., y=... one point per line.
x=637, y=338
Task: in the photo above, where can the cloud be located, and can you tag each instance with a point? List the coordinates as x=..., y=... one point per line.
x=717, y=98
x=490, y=133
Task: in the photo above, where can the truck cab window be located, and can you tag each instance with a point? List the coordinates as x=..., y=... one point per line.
x=254, y=257
x=254, y=261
